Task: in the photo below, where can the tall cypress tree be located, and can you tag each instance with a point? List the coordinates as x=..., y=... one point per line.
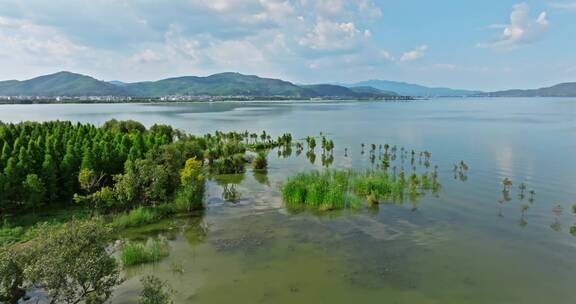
x=12, y=180
x=6, y=152
x=50, y=176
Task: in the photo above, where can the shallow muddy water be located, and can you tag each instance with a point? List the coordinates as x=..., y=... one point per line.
x=466, y=244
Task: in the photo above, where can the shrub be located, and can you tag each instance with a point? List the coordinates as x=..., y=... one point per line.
x=230, y=165
x=155, y=291
x=190, y=197
x=260, y=162
x=12, y=263
x=72, y=263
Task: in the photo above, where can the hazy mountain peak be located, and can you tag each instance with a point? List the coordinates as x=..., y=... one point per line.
x=410, y=89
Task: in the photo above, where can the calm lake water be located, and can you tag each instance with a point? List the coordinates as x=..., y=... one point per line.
x=465, y=245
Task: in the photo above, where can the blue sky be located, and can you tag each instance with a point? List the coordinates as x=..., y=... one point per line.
x=488, y=45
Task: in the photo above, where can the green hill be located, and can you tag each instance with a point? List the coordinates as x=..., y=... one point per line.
x=59, y=84
x=224, y=84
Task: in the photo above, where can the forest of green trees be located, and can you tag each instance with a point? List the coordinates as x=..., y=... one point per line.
x=118, y=166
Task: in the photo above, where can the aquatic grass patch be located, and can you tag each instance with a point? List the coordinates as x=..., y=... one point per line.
x=342, y=189
x=134, y=218
x=378, y=186
x=135, y=253
x=320, y=190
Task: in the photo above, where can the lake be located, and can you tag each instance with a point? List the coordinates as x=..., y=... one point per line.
x=466, y=244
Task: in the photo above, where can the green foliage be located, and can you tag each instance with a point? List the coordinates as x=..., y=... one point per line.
x=100, y=201
x=128, y=126
x=190, y=197
x=230, y=164
x=72, y=263
x=144, y=183
x=155, y=291
x=10, y=234
x=89, y=180
x=192, y=172
x=135, y=254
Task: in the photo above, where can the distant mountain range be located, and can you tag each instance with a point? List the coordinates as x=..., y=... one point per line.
x=560, y=90
x=408, y=89
x=236, y=84
x=223, y=84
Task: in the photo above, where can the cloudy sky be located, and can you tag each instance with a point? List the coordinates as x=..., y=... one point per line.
x=488, y=44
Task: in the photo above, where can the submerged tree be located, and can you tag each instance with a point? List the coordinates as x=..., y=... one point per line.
x=506, y=183
x=190, y=196
x=531, y=198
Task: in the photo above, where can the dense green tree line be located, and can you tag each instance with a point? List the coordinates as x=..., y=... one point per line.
x=40, y=162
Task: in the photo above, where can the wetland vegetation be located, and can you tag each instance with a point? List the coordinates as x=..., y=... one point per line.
x=202, y=218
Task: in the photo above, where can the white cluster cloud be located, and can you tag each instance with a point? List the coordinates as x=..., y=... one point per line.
x=22, y=38
x=333, y=36
x=147, y=55
x=414, y=54
x=522, y=30
x=27, y=47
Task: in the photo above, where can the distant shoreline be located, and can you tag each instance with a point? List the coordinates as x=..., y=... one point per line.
x=226, y=100
x=216, y=99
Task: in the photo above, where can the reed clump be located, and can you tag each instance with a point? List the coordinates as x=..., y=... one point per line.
x=319, y=190
x=137, y=217
x=151, y=252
